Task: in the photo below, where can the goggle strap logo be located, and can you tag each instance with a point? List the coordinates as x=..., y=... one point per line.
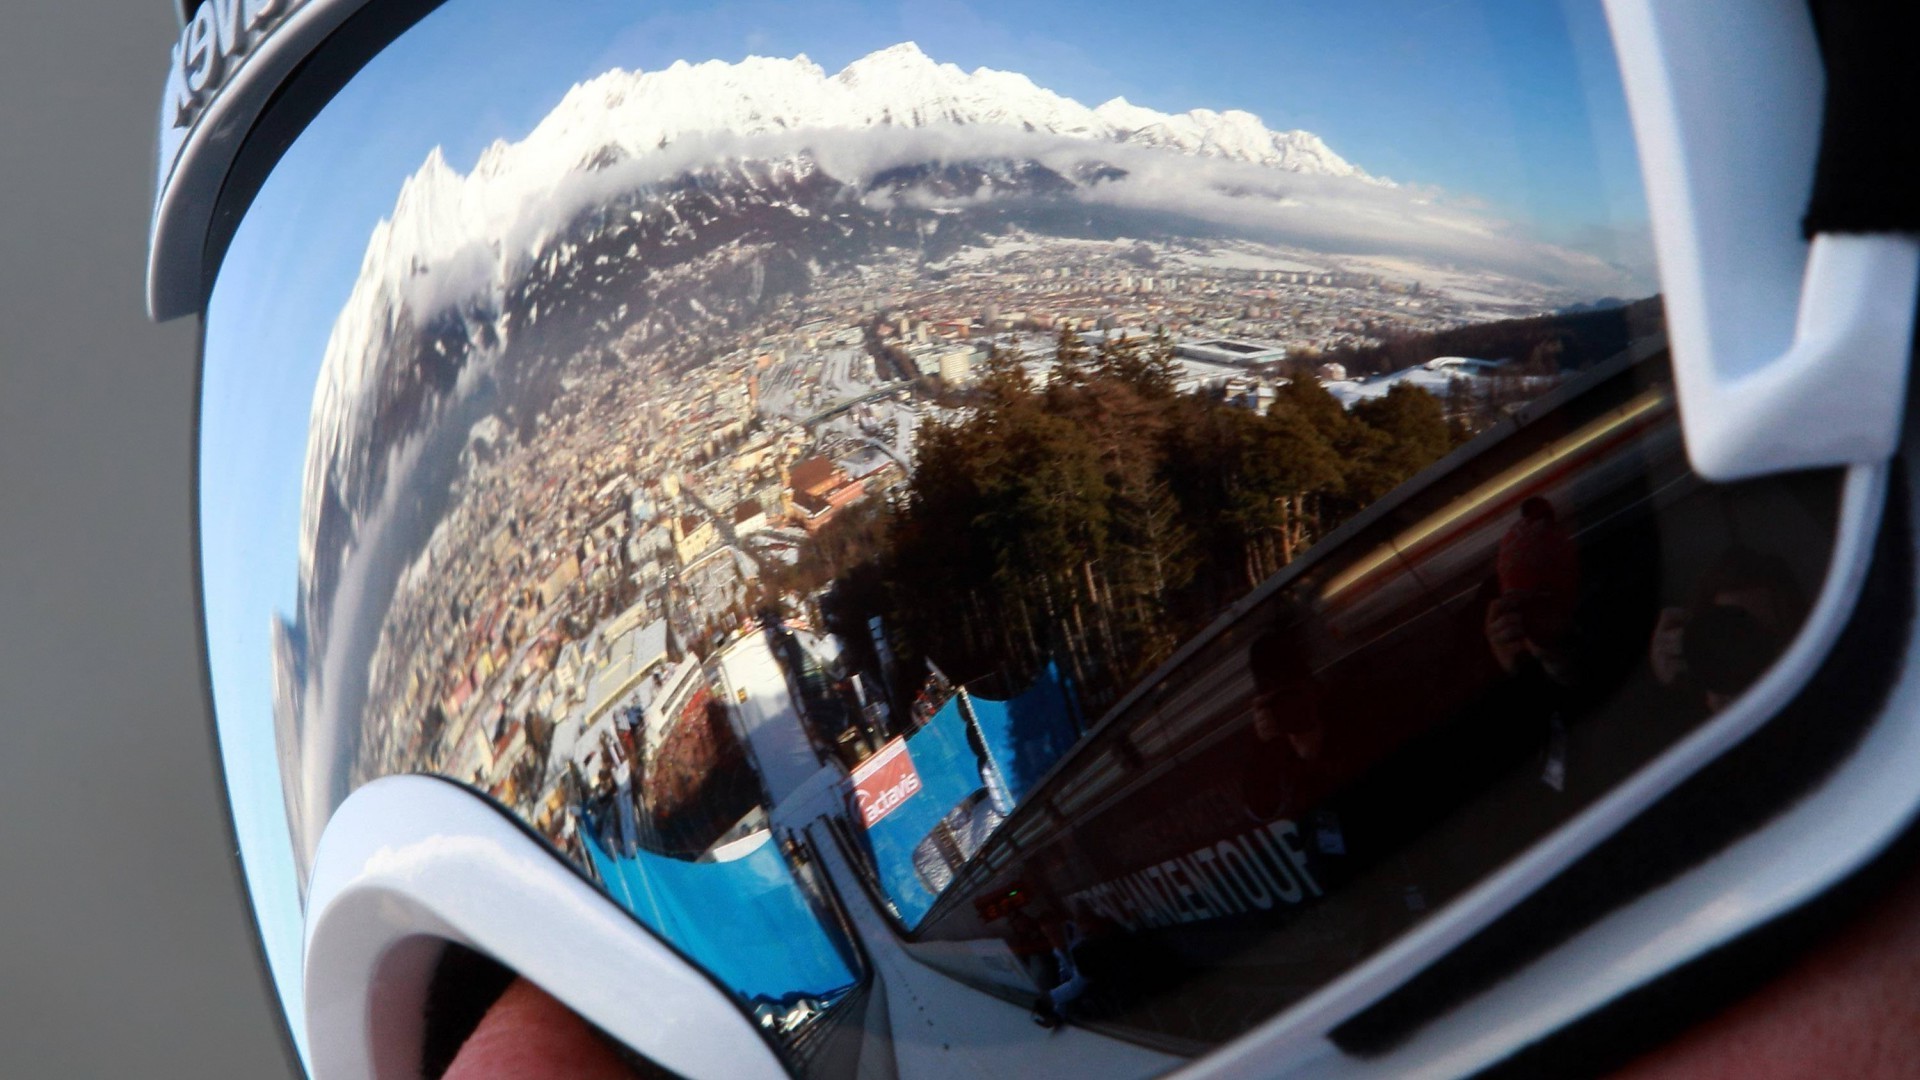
x=211, y=48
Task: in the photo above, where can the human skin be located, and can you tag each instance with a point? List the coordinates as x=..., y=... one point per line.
x=527, y=1035
x=1849, y=1008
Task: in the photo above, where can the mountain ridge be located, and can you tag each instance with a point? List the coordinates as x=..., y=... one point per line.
x=457, y=238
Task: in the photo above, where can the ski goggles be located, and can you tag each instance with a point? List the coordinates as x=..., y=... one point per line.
x=874, y=540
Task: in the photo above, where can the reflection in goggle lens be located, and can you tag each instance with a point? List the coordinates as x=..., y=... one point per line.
x=879, y=514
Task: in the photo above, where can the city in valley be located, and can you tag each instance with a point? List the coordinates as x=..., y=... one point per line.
x=596, y=601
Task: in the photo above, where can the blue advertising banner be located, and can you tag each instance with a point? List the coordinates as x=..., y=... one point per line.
x=1024, y=736
x=968, y=782
x=746, y=921
x=949, y=773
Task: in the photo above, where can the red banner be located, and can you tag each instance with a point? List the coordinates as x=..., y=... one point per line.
x=884, y=781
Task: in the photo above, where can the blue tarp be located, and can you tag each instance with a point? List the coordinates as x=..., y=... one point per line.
x=1022, y=738
x=746, y=921
x=1026, y=735
x=949, y=772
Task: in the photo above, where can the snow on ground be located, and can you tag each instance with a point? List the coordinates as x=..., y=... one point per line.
x=781, y=392
x=847, y=372
x=824, y=648
x=808, y=383
x=872, y=421
x=943, y=1028
x=1497, y=294
x=772, y=724
x=1195, y=373
x=999, y=247
x=1436, y=380
x=786, y=553
x=1242, y=256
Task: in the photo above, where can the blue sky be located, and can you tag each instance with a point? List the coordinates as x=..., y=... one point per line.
x=1501, y=99
x=1511, y=102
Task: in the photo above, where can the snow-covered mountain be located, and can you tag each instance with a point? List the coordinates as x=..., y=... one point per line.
x=899, y=86
x=461, y=241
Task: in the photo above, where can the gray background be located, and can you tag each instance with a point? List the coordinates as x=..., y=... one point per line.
x=124, y=947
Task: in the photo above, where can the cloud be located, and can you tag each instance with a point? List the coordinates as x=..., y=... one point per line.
x=1332, y=215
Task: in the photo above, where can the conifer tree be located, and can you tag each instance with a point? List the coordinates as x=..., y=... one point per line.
x=1070, y=373
x=1099, y=522
x=1003, y=377
x=1160, y=376
x=1414, y=434
x=1306, y=468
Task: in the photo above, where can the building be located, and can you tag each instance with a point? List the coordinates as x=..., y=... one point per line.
x=692, y=536
x=926, y=360
x=630, y=657
x=1232, y=351
x=873, y=469
x=1248, y=393
x=818, y=489
x=815, y=476
x=956, y=367
x=753, y=455
x=624, y=623
x=638, y=676
x=555, y=585
x=748, y=518
x=1463, y=365
x=509, y=748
